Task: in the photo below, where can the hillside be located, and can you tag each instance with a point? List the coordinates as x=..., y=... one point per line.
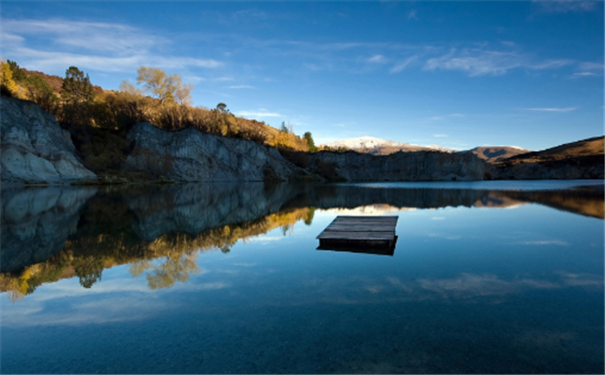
x=56, y=82
x=377, y=146
x=581, y=159
x=585, y=148
x=495, y=154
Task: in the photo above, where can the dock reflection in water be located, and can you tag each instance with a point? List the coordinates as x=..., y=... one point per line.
x=237, y=264
x=72, y=231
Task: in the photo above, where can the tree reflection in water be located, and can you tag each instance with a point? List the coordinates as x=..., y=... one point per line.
x=161, y=230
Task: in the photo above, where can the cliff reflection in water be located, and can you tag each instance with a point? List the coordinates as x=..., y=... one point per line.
x=54, y=233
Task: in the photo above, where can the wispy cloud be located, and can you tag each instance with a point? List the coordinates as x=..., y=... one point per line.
x=457, y=115
x=236, y=87
x=553, y=109
x=440, y=135
x=403, y=64
x=107, y=47
x=565, y=6
x=377, y=59
x=546, y=243
x=222, y=79
x=591, y=66
x=258, y=114
x=413, y=15
x=479, y=62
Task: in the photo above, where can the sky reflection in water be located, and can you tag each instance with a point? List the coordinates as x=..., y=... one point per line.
x=470, y=288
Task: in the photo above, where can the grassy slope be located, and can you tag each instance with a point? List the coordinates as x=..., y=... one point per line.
x=592, y=147
x=497, y=153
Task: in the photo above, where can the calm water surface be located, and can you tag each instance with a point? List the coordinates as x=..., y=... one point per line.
x=486, y=278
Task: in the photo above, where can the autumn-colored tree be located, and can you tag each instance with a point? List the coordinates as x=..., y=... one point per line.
x=6, y=79
x=166, y=88
x=18, y=73
x=41, y=93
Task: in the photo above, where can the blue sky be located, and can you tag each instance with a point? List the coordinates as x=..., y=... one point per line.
x=457, y=74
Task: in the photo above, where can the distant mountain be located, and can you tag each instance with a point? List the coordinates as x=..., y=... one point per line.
x=495, y=154
x=377, y=146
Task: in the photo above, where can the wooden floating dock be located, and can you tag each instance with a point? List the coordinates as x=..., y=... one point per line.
x=367, y=234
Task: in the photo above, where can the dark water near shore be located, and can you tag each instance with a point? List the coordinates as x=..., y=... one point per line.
x=486, y=278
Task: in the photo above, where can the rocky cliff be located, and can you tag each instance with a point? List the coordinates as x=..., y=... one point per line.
x=401, y=166
x=34, y=148
x=190, y=155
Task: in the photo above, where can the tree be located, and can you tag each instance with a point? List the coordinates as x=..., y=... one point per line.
x=222, y=108
x=310, y=142
x=288, y=129
x=6, y=79
x=129, y=89
x=41, y=93
x=166, y=88
x=77, y=88
x=77, y=94
x=18, y=73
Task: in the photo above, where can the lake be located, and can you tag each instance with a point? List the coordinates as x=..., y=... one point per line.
x=486, y=277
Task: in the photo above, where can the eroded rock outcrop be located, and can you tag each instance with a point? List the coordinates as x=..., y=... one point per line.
x=34, y=147
x=190, y=155
x=401, y=166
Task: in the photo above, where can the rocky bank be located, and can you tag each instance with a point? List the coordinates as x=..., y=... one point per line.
x=190, y=155
x=35, y=150
x=34, y=147
x=400, y=166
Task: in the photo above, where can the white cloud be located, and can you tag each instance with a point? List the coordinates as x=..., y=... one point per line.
x=403, y=64
x=508, y=43
x=412, y=15
x=258, y=114
x=553, y=109
x=241, y=87
x=8, y=39
x=591, y=66
x=94, y=36
x=457, y=115
x=42, y=60
x=222, y=79
x=565, y=6
x=584, y=74
x=194, y=79
x=542, y=243
x=440, y=135
x=478, y=62
x=106, y=47
x=378, y=59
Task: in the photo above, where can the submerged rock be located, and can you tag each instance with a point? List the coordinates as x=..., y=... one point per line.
x=190, y=155
x=34, y=147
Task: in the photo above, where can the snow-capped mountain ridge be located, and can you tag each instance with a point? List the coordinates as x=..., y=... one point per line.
x=376, y=145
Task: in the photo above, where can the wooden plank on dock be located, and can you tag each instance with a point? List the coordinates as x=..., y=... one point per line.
x=359, y=233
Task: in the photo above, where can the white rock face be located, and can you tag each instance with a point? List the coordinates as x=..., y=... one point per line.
x=34, y=147
x=190, y=155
